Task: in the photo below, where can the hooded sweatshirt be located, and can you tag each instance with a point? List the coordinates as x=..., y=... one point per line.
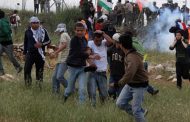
x=5, y=32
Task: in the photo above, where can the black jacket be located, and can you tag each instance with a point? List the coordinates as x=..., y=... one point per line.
x=117, y=67
x=77, y=55
x=29, y=41
x=181, y=52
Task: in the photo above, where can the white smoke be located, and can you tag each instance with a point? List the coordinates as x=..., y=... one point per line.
x=158, y=36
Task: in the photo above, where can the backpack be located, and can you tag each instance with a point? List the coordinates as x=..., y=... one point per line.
x=13, y=19
x=138, y=46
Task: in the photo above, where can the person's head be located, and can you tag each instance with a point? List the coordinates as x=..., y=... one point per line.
x=61, y=28
x=2, y=14
x=170, y=1
x=176, y=4
x=154, y=3
x=80, y=19
x=126, y=1
x=79, y=29
x=115, y=37
x=100, y=20
x=179, y=35
x=125, y=41
x=131, y=31
x=34, y=22
x=98, y=37
x=15, y=12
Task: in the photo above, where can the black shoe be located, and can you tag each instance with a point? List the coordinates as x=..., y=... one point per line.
x=155, y=92
x=65, y=98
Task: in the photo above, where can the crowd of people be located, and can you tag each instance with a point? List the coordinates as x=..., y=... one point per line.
x=129, y=13
x=44, y=6
x=95, y=51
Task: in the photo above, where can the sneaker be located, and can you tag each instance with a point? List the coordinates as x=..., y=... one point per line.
x=65, y=98
x=19, y=69
x=155, y=92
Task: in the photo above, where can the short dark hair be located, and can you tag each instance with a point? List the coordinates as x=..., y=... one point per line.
x=126, y=41
x=128, y=32
x=2, y=14
x=79, y=24
x=98, y=35
x=15, y=11
x=100, y=20
x=180, y=31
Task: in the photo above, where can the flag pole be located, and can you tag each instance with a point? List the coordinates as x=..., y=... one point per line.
x=185, y=11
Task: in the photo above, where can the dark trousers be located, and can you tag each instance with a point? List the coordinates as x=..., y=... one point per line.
x=119, y=20
x=36, y=8
x=32, y=58
x=182, y=70
x=112, y=91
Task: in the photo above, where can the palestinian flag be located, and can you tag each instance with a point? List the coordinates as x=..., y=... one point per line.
x=140, y=5
x=106, y=5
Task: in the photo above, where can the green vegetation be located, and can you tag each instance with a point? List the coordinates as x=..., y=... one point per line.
x=19, y=104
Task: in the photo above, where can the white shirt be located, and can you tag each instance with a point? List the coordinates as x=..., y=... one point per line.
x=102, y=52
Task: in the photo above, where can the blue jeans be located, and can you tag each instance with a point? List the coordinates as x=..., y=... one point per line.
x=9, y=51
x=58, y=77
x=97, y=79
x=74, y=74
x=114, y=92
x=135, y=108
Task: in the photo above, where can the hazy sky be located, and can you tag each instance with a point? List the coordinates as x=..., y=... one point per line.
x=29, y=3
